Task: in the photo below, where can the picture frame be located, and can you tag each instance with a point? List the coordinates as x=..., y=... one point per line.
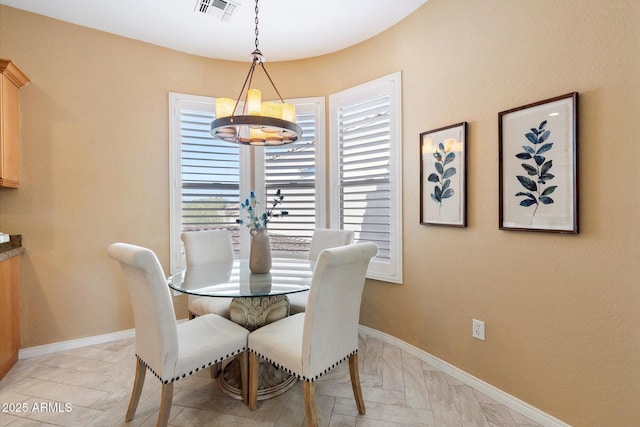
x=538, y=166
x=443, y=176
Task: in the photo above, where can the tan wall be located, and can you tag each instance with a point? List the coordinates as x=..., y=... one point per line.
x=562, y=312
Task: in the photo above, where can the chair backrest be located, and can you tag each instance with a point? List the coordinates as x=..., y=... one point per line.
x=154, y=316
x=325, y=238
x=333, y=310
x=207, y=246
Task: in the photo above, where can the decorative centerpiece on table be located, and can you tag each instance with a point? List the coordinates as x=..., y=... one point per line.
x=260, y=254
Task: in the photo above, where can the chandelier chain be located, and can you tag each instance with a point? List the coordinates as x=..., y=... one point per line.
x=256, y=21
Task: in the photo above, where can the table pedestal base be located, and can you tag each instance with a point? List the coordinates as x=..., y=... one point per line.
x=271, y=380
x=253, y=313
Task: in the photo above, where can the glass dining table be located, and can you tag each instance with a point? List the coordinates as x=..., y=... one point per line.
x=254, y=301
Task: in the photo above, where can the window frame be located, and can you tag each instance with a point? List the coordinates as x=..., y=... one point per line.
x=390, y=85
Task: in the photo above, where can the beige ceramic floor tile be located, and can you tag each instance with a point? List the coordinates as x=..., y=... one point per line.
x=190, y=417
x=442, y=403
x=468, y=406
x=414, y=382
x=338, y=420
x=398, y=388
x=365, y=422
x=521, y=420
x=388, y=413
x=392, y=374
x=496, y=415
x=372, y=361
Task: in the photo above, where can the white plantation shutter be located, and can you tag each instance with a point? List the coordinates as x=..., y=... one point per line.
x=365, y=196
x=210, y=177
x=366, y=178
x=205, y=174
x=298, y=171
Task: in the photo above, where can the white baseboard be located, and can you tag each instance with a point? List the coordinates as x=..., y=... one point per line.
x=498, y=395
x=41, y=350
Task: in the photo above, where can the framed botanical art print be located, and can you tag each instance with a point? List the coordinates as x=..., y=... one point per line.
x=443, y=175
x=538, y=166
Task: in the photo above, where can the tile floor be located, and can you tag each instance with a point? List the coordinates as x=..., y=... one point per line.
x=90, y=386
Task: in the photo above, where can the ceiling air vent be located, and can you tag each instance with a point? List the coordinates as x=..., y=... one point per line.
x=222, y=9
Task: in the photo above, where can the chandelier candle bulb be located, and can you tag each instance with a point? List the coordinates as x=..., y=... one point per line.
x=224, y=107
x=272, y=109
x=273, y=140
x=289, y=112
x=257, y=136
x=254, y=102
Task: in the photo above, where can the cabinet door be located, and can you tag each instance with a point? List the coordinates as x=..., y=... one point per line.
x=9, y=313
x=9, y=134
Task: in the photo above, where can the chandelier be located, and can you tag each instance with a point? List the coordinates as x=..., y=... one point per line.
x=259, y=123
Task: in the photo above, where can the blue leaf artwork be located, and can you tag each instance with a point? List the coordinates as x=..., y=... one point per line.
x=537, y=169
x=442, y=176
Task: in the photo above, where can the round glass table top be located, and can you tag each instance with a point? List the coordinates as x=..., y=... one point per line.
x=234, y=279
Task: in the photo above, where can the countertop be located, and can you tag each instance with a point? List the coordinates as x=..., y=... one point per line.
x=11, y=248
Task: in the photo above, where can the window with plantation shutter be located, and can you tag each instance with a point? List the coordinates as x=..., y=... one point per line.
x=210, y=177
x=205, y=174
x=298, y=171
x=366, y=175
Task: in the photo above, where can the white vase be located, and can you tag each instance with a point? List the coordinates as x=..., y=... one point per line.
x=260, y=255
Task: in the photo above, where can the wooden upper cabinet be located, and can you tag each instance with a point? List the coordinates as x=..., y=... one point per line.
x=10, y=83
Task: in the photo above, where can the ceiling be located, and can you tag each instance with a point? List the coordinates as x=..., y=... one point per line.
x=288, y=29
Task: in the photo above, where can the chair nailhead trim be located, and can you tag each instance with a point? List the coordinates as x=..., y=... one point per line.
x=170, y=380
x=302, y=377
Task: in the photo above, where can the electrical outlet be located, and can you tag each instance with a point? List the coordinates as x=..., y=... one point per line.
x=478, y=329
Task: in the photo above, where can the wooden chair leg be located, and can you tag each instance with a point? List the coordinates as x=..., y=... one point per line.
x=216, y=369
x=165, y=405
x=243, y=358
x=310, y=404
x=355, y=382
x=254, y=362
x=137, y=390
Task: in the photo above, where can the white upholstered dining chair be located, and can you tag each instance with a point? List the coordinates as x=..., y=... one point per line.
x=169, y=350
x=202, y=247
x=322, y=238
x=310, y=344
